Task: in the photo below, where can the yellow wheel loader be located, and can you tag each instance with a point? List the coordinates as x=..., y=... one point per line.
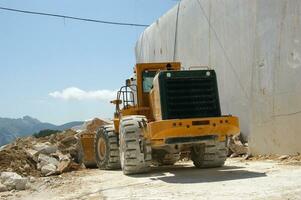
x=161, y=113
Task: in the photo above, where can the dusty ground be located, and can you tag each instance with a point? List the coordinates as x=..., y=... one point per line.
x=236, y=180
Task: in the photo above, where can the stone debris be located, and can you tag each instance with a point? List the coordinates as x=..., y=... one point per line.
x=61, y=157
x=3, y=188
x=283, y=159
x=45, y=148
x=64, y=166
x=46, y=160
x=43, y=156
x=69, y=141
x=237, y=147
x=32, y=154
x=13, y=181
x=48, y=169
x=15, y=159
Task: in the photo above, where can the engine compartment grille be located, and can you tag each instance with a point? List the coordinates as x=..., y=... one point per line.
x=189, y=94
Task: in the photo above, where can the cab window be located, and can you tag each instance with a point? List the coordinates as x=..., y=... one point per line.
x=147, y=80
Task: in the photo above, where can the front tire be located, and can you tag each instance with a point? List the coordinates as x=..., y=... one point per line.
x=106, y=148
x=135, y=150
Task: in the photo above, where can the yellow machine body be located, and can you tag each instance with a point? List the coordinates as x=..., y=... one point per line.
x=87, y=149
x=85, y=145
x=172, y=131
x=160, y=132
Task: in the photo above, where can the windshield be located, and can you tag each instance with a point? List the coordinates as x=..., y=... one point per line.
x=147, y=78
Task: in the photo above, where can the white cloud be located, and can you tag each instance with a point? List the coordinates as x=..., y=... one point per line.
x=74, y=93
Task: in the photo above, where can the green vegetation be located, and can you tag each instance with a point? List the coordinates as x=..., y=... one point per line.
x=46, y=132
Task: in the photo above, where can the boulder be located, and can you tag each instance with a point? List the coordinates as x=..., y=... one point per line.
x=45, y=160
x=48, y=169
x=64, y=166
x=236, y=146
x=59, y=156
x=73, y=151
x=13, y=181
x=8, y=175
x=27, y=167
x=238, y=149
x=74, y=166
x=65, y=157
x=32, y=179
x=32, y=154
x=45, y=148
x=21, y=184
x=3, y=188
x=69, y=141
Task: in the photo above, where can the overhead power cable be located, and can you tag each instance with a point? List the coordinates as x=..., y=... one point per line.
x=73, y=18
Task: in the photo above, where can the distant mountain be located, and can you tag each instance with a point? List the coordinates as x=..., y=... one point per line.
x=10, y=129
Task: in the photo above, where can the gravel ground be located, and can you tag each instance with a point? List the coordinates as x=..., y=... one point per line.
x=236, y=180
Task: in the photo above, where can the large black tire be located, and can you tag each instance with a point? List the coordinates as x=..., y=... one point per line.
x=135, y=150
x=106, y=148
x=209, y=155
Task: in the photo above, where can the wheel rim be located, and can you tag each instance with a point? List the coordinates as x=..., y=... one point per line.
x=102, y=148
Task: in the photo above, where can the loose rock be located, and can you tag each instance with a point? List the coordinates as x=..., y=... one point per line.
x=13, y=181
x=3, y=188
x=27, y=156
x=69, y=141
x=32, y=154
x=45, y=160
x=283, y=157
x=45, y=148
x=236, y=147
x=64, y=166
x=48, y=169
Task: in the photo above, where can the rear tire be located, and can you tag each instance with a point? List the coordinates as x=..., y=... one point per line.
x=209, y=155
x=135, y=150
x=106, y=148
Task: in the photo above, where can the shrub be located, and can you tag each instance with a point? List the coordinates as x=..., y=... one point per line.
x=46, y=132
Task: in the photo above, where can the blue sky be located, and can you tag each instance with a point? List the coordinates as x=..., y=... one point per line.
x=40, y=57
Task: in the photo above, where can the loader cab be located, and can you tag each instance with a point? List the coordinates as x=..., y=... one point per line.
x=133, y=98
x=147, y=80
x=145, y=73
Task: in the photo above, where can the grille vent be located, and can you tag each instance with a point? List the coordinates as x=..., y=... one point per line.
x=191, y=96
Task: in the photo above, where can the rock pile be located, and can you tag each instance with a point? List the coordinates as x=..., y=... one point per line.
x=284, y=159
x=44, y=156
x=12, y=181
x=55, y=154
x=237, y=147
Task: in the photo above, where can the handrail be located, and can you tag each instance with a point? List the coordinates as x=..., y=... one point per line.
x=198, y=67
x=127, y=95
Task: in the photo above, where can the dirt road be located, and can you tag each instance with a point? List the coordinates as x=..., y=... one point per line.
x=236, y=180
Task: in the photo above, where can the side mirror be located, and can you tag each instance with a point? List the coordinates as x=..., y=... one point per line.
x=128, y=82
x=116, y=102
